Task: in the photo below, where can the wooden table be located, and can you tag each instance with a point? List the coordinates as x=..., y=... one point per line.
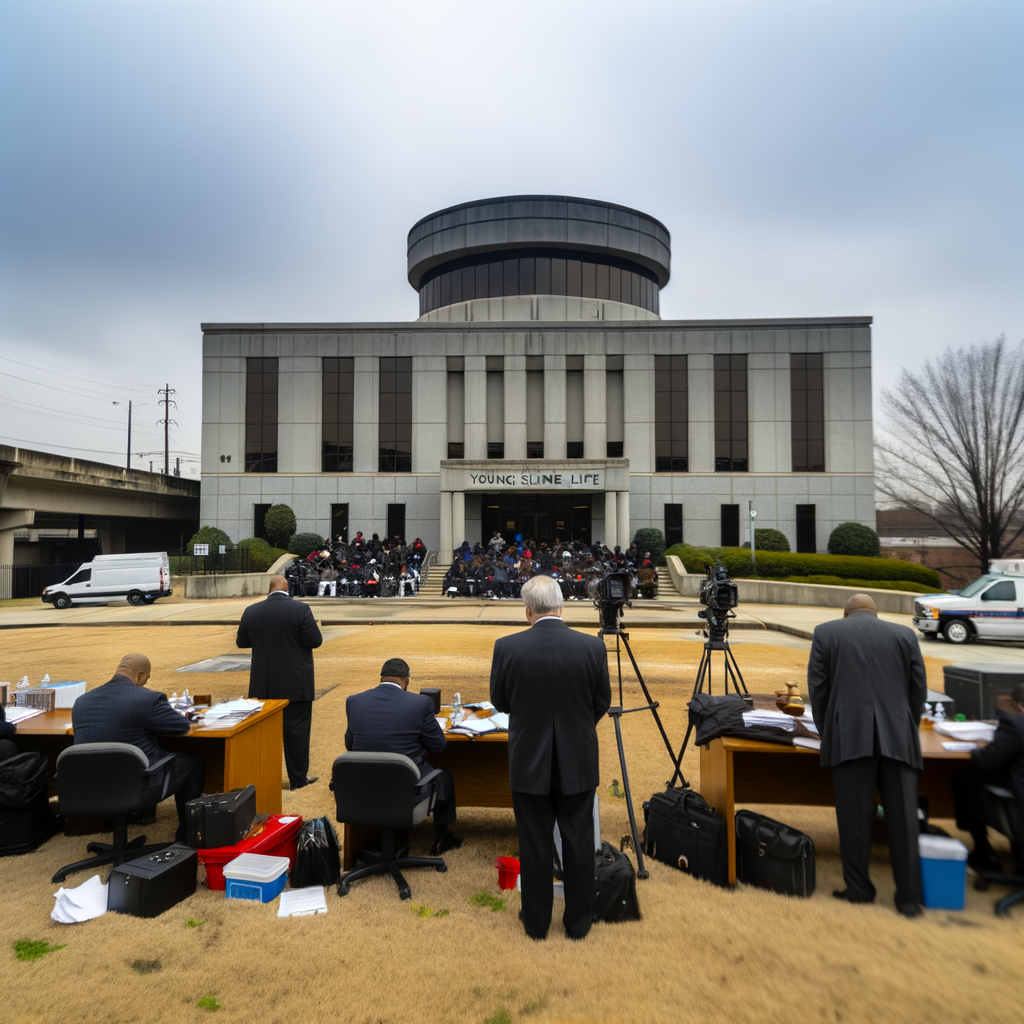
x=736, y=771
x=249, y=751
x=480, y=768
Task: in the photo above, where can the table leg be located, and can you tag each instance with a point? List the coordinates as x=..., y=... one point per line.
x=717, y=787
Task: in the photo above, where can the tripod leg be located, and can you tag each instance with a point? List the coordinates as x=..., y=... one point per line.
x=641, y=871
x=647, y=697
x=730, y=659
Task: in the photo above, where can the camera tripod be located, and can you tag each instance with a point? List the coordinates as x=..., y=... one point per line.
x=717, y=639
x=610, y=626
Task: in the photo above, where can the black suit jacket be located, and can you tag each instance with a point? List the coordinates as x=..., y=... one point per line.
x=6, y=728
x=866, y=681
x=121, y=712
x=1002, y=763
x=388, y=719
x=553, y=682
x=282, y=634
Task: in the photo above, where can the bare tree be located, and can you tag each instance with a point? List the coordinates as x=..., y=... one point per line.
x=953, y=446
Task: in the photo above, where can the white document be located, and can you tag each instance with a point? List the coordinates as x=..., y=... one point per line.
x=82, y=903
x=775, y=719
x=808, y=723
x=807, y=741
x=303, y=902
x=480, y=705
x=475, y=726
x=441, y=721
x=20, y=714
x=500, y=720
x=954, y=745
x=966, y=730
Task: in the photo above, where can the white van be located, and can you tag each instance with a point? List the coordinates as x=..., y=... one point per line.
x=138, y=579
x=990, y=608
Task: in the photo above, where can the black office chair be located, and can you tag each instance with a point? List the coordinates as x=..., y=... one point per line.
x=384, y=791
x=110, y=780
x=1002, y=799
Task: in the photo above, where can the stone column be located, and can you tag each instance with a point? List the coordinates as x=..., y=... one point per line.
x=429, y=412
x=622, y=501
x=475, y=378
x=554, y=407
x=611, y=529
x=595, y=418
x=515, y=407
x=458, y=518
x=444, y=556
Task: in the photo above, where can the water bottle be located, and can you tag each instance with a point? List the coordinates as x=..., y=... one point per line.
x=457, y=711
x=940, y=712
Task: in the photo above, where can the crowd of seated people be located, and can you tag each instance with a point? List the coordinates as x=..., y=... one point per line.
x=499, y=569
x=362, y=568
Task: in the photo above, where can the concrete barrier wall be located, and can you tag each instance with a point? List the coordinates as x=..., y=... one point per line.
x=248, y=584
x=893, y=602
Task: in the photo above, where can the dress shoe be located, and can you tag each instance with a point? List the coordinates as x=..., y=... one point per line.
x=444, y=842
x=909, y=909
x=985, y=860
x=308, y=782
x=844, y=894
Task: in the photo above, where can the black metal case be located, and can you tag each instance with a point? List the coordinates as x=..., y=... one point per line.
x=975, y=688
x=220, y=819
x=150, y=885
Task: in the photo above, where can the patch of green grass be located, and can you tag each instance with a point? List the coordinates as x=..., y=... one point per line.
x=210, y=1003
x=194, y=923
x=501, y=1016
x=26, y=949
x=146, y=966
x=485, y=899
x=533, y=1005
x=428, y=911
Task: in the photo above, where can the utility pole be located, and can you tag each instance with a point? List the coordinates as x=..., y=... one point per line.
x=128, y=458
x=167, y=402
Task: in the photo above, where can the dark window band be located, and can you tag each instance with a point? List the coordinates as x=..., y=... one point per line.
x=539, y=272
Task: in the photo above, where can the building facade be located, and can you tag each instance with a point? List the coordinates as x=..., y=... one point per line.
x=540, y=392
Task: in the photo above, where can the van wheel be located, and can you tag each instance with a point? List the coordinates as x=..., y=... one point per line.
x=957, y=632
x=135, y=598
x=62, y=601
x=148, y=599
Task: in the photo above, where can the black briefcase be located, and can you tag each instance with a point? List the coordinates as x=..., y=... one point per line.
x=220, y=819
x=24, y=828
x=681, y=829
x=150, y=885
x=773, y=856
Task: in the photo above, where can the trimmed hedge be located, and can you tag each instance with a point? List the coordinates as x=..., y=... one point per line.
x=209, y=535
x=304, y=544
x=854, y=539
x=767, y=539
x=279, y=524
x=261, y=555
x=650, y=539
x=785, y=565
x=836, y=581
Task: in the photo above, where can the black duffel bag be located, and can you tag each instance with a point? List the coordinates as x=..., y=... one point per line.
x=317, y=855
x=681, y=829
x=22, y=777
x=773, y=856
x=615, y=899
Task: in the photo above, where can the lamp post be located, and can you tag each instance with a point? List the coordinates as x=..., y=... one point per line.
x=752, y=515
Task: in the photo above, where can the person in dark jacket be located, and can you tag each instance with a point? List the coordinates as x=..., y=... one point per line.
x=283, y=634
x=867, y=686
x=7, y=730
x=389, y=719
x=1001, y=763
x=124, y=711
x=553, y=682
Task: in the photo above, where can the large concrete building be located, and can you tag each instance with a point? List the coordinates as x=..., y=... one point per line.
x=540, y=392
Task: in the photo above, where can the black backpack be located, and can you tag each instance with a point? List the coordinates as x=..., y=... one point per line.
x=616, y=887
x=21, y=778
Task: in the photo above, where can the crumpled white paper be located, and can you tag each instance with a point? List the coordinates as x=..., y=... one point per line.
x=82, y=903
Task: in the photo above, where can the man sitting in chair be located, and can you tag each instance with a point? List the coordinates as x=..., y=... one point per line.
x=390, y=720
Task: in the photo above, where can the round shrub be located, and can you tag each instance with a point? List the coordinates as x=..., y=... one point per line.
x=304, y=544
x=648, y=539
x=767, y=539
x=209, y=535
x=854, y=539
x=261, y=555
x=279, y=525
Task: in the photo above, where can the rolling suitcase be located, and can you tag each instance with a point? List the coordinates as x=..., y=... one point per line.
x=681, y=829
x=773, y=856
x=150, y=885
x=220, y=819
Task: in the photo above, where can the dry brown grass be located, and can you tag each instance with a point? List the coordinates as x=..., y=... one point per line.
x=699, y=954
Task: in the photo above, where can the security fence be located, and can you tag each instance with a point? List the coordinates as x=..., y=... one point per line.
x=30, y=580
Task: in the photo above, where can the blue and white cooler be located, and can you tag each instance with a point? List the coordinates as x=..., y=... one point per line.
x=943, y=872
x=254, y=876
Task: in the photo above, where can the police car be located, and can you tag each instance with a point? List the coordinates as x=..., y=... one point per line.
x=991, y=608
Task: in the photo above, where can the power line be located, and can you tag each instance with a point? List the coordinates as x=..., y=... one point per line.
x=74, y=376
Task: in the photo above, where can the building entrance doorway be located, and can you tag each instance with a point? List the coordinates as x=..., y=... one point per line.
x=538, y=517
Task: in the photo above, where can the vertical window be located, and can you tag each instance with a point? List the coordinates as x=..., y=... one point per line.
x=730, y=526
x=671, y=415
x=338, y=388
x=395, y=443
x=806, y=529
x=396, y=522
x=261, y=415
x=807, y=401
x=339, y=522
x=573, y=277
x=673, y=525
x=731, y=414
x=543, y=275
x=259, y=513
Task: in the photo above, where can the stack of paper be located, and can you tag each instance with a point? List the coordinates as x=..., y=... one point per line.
x=775, y=719
x=474, y=727
x=500, y=719
x=20, y=714
x=223, y=716
x=959, y=746
x=82, y=903
x=967, y=730
x=302, y=902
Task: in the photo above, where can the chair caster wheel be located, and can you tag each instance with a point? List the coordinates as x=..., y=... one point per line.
x=343, y=888
x=442, y=867
x=405, y=894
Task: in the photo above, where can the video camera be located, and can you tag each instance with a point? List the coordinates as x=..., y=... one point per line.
x=719, y=595
x=610, y=594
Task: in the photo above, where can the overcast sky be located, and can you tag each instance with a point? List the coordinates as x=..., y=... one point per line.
x=165, y=164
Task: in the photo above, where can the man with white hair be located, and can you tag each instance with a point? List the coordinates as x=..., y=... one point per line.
x=553, y=682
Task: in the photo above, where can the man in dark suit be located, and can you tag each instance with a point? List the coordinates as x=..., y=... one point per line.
x=282, y=634
x=867, y=686
x=123, y=711
x=388, y=719
x=1001, y=763
x=553, y=682
x=7, y=730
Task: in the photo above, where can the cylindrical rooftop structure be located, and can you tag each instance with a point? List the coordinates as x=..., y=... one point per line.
x=544, y=257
